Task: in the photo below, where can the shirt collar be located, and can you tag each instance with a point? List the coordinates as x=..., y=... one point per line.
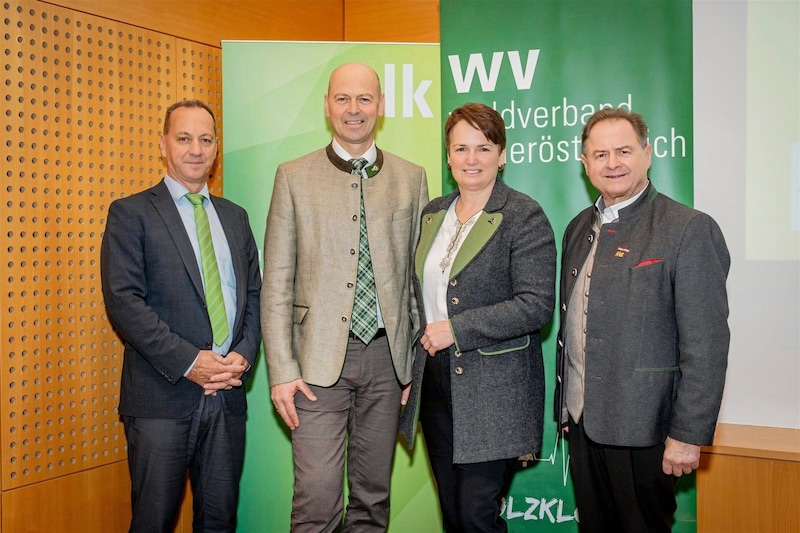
x=178, y=191
x=610, y=214
x=371, y=155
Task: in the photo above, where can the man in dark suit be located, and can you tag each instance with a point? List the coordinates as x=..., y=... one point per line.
x=642, y=352
x=181, y=282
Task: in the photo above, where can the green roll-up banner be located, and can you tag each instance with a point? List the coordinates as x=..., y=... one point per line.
x=546, y=66
x=273, y=112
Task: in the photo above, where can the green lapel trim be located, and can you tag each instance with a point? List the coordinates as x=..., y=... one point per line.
x=486, y=226
x=372, y=169
x=430, y=228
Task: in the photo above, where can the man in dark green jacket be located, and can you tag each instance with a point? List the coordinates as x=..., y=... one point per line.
x=643, y=344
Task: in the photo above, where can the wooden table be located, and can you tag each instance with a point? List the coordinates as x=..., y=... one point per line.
x=749, y=481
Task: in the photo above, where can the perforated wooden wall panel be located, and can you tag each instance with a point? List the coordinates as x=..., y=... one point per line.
x=199, y=75
x=83, y=102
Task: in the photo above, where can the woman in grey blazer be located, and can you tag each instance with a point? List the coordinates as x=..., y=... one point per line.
x=485, y=276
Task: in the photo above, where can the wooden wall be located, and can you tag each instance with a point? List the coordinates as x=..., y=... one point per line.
x=212, y=21
x=86, y=83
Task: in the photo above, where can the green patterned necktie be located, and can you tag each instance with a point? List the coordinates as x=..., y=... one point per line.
x=208, y=259
x=364, y=321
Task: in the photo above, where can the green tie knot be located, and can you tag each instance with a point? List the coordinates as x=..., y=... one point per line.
x=196, y=199
x=358, y=165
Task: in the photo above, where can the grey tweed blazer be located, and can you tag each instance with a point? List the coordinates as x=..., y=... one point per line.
x=657, y=332
x=501, y=293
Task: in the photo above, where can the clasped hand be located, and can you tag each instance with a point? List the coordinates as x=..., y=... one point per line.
x=437, y=336
x=214, y=372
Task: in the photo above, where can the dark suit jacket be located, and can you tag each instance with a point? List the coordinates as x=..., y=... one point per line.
x=500, y=294
x=154, y=297
x=657, y=332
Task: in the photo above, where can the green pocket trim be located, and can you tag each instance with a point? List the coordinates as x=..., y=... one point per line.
x=507, y=350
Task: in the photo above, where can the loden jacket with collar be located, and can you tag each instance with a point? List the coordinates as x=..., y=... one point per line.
x=657, y=333
x=311, y=259
x=501, y=293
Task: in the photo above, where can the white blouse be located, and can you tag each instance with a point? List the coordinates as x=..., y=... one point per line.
x=436, y=273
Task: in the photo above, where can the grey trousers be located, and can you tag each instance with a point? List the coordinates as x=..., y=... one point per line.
x=358, y=413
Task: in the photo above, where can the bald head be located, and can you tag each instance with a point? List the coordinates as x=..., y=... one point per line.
x=353, y=104
x=354, y=70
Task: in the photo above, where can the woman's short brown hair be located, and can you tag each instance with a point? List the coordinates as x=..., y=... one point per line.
x=481, y=117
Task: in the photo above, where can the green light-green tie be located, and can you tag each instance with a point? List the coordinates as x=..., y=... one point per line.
x=208, y=259
x=364, y=320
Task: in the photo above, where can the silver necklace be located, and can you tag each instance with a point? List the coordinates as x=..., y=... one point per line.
x=448, y=258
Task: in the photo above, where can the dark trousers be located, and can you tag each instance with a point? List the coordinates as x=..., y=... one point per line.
x=209, y=443
x=359, y=413
x=470, y=495
x=619, y=490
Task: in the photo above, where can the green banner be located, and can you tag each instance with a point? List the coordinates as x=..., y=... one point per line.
x=273, y=112
x=546, y=66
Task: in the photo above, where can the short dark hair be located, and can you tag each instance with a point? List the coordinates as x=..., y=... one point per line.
x=636, y=120
x=481, y=117
x=188, y=103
